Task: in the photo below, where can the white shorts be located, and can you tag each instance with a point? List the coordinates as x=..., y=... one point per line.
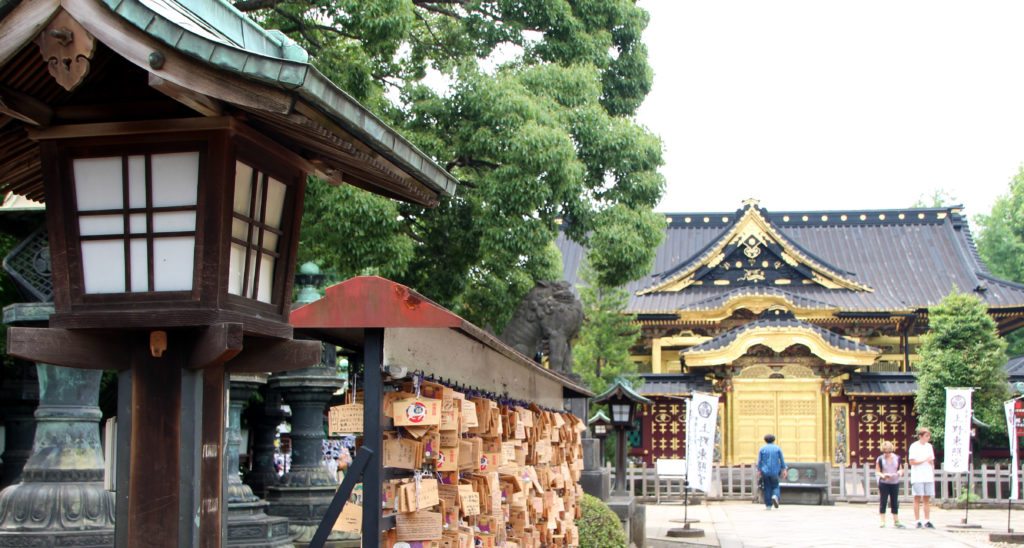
x=923, y=489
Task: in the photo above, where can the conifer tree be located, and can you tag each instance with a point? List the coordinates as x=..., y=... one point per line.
x=601, y=353
x=961, y=349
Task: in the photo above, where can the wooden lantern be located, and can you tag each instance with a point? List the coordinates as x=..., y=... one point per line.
x=175, y=223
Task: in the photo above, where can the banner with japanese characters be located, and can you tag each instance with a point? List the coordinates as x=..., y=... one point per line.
x=1010, y=408
x=702, y=418
x=958, y=429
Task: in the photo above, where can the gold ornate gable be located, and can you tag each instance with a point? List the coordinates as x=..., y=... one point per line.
x=754, y=252
x=779, y=338
x=720, y=308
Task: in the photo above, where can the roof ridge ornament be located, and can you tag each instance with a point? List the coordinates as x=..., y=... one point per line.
x=67, y=49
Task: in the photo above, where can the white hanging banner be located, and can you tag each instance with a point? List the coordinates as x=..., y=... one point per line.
x=1011, y=431
x=702, y=419
x=957, y=447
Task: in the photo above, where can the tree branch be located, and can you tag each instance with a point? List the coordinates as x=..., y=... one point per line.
x=437, y=10
x=253, y=5
x=470, y=162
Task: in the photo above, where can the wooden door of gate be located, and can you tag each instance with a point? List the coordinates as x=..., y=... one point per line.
x=789, y=408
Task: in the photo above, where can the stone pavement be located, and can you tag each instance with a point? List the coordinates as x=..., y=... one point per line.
x=745, y=524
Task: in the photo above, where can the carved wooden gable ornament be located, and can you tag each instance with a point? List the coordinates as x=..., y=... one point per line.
x=67, y=49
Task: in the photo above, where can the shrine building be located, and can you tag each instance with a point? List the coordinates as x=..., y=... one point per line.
x=807, y=324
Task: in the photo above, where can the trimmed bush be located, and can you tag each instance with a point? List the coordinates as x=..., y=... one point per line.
x=599, y=526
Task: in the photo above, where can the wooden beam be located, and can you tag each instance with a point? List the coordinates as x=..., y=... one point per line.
x=216, y=344
x=23, y=25
x=266, y=355
x=122, y=110
x=196, y=101
x=24, y=107
x=78, y=349
x=145, y=127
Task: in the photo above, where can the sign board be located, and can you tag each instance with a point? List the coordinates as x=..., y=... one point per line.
x=670, y=467
x=1018, y=416
x=345, y=419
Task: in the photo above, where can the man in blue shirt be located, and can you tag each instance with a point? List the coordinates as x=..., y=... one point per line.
x=770, y=467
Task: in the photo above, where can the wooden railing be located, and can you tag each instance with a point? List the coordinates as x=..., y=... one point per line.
x=854, y=483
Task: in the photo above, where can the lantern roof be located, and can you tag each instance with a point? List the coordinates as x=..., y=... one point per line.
x=599, y=417
x=621, y=390
x=206, y=54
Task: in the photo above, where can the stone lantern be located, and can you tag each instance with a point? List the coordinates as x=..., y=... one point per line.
x=623, y=402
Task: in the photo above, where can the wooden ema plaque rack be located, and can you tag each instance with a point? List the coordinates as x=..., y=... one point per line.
x=464, y=440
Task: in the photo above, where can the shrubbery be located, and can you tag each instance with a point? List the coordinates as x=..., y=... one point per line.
x=599, y=526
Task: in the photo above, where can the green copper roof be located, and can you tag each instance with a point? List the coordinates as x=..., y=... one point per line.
x=599, y=416
x=216, y=33
x=623, y=390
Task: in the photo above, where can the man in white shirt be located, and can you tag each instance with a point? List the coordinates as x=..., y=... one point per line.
x=921, y=456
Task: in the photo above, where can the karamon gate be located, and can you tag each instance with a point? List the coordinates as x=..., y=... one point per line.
x=805, y=323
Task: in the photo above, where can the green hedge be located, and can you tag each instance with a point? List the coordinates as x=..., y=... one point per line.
x=599, y=526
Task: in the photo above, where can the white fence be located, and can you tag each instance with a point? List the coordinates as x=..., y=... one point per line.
x=855, y=483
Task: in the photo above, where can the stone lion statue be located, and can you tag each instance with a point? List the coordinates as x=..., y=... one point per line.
x=549, y=317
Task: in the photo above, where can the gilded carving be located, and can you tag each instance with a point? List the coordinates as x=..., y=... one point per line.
x=751, y=248
x=756, y=372
x=779, y=339
x=797, y=407
x=793, y=371
x=753, y=232
x=840, y=427
x=67, y=49
x=882, y=419
x=753, y=275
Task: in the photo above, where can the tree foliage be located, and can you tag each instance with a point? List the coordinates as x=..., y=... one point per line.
x=1001, y=243
x=961, y=349
x=533, y=114
x=601, y=353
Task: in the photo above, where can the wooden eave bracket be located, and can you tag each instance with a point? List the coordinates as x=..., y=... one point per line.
x=272, y=355
x=69, y=348
x=216, y=345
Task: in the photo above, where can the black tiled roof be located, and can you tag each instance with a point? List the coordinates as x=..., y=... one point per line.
x=673, y=384
x=1015, y=368
x=881, y=384
x=895, y=384
x=910, y=258
x=833, y=339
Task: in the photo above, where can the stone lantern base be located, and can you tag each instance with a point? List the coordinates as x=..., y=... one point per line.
x=250, y=526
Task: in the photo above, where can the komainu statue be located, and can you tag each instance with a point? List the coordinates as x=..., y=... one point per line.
x=549, y=316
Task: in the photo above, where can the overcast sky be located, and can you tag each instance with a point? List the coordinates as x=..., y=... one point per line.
x=827, y=104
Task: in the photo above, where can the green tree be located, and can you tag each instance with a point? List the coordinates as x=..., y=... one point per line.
x=601, y=353
x=534, y=116
x=961, y=349
x=1001, y=244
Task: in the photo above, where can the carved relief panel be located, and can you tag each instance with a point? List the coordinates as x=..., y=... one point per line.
x=878, y=419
